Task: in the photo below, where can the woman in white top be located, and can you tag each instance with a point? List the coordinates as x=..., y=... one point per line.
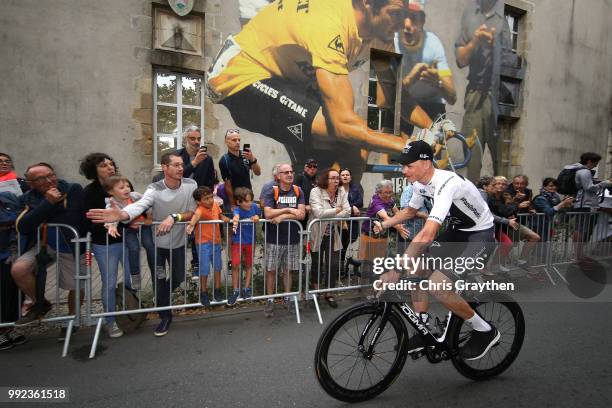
x=327, y=201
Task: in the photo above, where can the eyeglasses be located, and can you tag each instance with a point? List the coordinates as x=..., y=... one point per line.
x=312, y=166
x=48, y=177
x=287, y=172
x=6, y=162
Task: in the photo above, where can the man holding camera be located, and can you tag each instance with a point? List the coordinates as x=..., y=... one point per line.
x=198, y=165
x=235, y=165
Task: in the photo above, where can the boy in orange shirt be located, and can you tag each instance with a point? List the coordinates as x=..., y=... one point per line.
x=208, y=239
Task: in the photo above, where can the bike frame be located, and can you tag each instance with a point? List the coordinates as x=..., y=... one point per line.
x=413, y=319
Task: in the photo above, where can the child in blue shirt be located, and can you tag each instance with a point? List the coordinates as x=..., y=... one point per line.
x=243, y=241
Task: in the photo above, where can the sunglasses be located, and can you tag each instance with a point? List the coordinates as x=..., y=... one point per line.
x=312, y=166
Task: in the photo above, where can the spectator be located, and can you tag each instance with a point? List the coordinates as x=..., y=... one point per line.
x=487, y=187
x=521, y=195
x=327, y=201
x=235, y=165
x=307, y=181
x=171, y=200
x=9, y=294
x=198, y=166
x=9, y=182
x=587, y=195
x=414, y=225
x=350, y=230
x=50, y=200
x=208, y=239
x=107, y=250
x=243, y=242
x=484, y=186
x=502, y=207
x=382, y=207
x=549, y=202
x=118, y=187
x=603, y=229
x=282, y=202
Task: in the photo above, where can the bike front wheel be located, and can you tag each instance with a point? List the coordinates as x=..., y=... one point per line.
x=501, y=310
x=344, y=369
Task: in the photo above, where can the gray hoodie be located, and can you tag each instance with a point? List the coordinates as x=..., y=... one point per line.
x=588, y=192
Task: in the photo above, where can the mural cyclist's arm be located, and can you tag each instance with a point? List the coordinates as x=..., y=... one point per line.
x=338, y=119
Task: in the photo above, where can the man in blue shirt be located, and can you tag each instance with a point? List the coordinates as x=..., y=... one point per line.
x=427, y=81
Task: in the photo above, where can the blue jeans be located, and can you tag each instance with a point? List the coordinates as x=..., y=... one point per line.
x=108, y=262
x=133, y=249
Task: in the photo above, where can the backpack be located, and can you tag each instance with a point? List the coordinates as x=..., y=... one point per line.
x=566, y=181
x=276, y=189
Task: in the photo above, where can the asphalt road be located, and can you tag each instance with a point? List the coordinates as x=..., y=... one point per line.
x=246, y=360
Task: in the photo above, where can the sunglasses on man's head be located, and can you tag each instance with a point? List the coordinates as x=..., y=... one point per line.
x=232, y=132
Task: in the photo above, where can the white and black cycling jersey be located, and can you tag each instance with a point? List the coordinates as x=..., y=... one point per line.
x=455, y=199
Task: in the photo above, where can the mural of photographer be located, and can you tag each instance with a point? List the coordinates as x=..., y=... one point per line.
x=285, y=75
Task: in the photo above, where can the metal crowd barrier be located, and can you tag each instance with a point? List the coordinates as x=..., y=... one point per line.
x=165, y=281
x=564, y=238
x=80, y=276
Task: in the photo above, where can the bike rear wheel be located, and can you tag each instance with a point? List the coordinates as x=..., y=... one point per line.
x=343, y=370
x=501, y=310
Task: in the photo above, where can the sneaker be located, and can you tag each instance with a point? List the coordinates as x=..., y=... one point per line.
x=136, y=282
x=5, y=342
x=35, y=313
x=479, y=343
x=204, y=299
x=217, y=295
x=504, y=269
x=114, y=331
x=521, y=262
x=269, y=308
x=64, y=330
x=231, y=301
x=247, y=293
x=16, y=338
x=163, y=327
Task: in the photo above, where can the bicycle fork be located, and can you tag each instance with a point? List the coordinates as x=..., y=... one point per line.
x=369, y=352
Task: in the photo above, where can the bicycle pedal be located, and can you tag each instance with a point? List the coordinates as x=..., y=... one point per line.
x=415, y=355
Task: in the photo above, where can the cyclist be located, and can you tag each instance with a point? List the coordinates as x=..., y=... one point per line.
x=285, y=75
x=470, y=235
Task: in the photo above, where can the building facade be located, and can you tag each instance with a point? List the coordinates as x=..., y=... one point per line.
x=123, y=77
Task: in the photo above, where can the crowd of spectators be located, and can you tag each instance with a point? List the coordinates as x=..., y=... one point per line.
x=187, y=192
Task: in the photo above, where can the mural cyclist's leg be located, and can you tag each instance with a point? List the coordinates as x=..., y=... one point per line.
x=479, y=116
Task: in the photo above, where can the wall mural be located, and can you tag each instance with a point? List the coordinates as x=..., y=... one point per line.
x=285, y=75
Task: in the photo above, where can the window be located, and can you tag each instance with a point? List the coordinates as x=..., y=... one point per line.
x=513, y=17
x=178, y=103
x=384, y=69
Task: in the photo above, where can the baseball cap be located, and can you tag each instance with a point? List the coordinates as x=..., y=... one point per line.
x=312, y=162
x=417, y=150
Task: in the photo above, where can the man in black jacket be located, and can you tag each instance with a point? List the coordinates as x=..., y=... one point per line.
x=50, y=200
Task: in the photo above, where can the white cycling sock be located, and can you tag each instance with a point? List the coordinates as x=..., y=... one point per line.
x=478, y=323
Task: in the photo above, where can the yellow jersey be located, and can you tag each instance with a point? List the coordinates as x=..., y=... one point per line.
x=289, y=39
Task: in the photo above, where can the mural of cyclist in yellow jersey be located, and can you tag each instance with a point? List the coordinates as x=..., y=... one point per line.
x=285, y=75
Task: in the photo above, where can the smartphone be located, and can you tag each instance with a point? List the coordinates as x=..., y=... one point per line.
x=247, y=147
x=204, y=148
